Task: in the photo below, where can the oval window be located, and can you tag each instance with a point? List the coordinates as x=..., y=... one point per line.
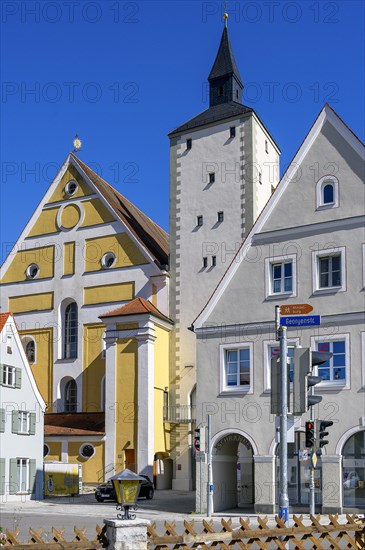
x=87, y=450
x=71, y=188
x=32, y=271
x=108, y=260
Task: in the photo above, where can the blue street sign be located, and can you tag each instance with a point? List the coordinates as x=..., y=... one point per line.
x=301, y=321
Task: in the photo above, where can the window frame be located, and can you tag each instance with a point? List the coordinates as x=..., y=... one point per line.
x=320, y=254
x=24, y=418
x=232, y=132
x=19, y=472
x=205, y=262
x=220, y=216
x=189, y=144
x=67, y=333
x=269, y=280
x=68, y=405
x=321, y=184
x=333, y=384
x=211, y=177
x=224, y=389
x=9, y=370
x=199, y=220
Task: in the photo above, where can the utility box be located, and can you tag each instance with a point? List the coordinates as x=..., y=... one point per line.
x=61, y=479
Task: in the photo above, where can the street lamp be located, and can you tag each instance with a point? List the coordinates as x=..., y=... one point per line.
x=126, y=486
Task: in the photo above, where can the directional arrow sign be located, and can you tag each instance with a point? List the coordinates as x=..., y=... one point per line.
x=301, y=321
x=296, y=309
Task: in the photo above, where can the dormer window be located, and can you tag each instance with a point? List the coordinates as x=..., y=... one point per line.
x=327, y=193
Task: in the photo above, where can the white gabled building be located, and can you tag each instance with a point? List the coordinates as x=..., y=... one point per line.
x=21, y=420
x=308, y=246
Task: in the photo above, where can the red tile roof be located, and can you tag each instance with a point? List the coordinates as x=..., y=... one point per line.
x=135, y=307
x=152, y=236
x=3, y=319
x=74, y=424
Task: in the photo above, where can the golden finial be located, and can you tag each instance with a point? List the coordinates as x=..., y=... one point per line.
x=77, y=144
x=225, y=15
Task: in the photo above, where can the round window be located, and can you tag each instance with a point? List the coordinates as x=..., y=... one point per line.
x=46, y=450
x=87, y=450
x=108, y=260
x=32, y=271
x=71, y=188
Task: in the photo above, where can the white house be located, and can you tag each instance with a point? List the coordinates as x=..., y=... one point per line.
x=307, y=246
x=21, y=420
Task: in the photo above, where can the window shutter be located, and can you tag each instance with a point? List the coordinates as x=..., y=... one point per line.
x=18, y=377
x=2, y=476
x=32, y=474
x=15, y=422
x=1, y=374
x=2, y=421
x=13, y=477
x=32, y=423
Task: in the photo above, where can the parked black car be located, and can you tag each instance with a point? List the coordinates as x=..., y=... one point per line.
x=105, y=491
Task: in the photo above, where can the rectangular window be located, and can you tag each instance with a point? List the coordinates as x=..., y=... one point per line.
x=23, y=476
x=199, y=221
x=236, y=368
x=8, y=376
x=211, y=177
x=214, y=261
x=189, y=143
x=205, y=262
x=335, y=368
x=24, y=422
x=220, y=217
x=329, y=271
x=266, y=146
x=282, y=277
x=232, y=132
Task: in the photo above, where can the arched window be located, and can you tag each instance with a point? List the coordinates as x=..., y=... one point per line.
x=353, y=471
x=70, y=331
x=328, y=193
x=70, y=399
x=102, y=394
x=29, y=348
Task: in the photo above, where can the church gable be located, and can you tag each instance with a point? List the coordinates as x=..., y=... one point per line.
x=65, y=190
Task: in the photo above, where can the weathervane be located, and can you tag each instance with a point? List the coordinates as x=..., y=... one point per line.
x=77, y=144
x=225, y=15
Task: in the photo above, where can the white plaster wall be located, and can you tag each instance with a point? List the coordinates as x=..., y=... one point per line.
x=24, y=398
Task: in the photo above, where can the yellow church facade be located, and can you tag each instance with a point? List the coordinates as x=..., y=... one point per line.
x=88, y=285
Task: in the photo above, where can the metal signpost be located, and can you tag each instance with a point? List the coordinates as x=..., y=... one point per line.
x=210, y=473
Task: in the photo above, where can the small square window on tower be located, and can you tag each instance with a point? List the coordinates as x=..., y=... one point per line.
x=214, y=261
x=199, y=221
x=212, y=177
x=266, y=146
x=205, y=262
x=232, y=132
x=220, y=217
x=189, y=143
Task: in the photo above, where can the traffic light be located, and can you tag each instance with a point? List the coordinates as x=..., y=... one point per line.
x=197, y=439
x=304, y=361
x=321, y=432
x=309, y=434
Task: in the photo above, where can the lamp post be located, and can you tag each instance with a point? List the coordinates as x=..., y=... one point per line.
x=126, y=486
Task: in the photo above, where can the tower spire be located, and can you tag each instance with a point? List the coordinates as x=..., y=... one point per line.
x=224, y=79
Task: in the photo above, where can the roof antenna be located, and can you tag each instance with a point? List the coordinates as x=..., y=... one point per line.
x=77, y=144
x=225, y=15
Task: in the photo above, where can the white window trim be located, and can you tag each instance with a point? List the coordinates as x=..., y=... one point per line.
x=25, y=491
x=363, y=358
x=229, y=390
x=20, y=428
x=333, y=384
x=82, y=448
x=316, y=255
x=268, y=276
x=7, y=369
x=320, y=205
x=267, y=359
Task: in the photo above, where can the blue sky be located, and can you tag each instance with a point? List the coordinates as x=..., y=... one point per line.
x=124, y=74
